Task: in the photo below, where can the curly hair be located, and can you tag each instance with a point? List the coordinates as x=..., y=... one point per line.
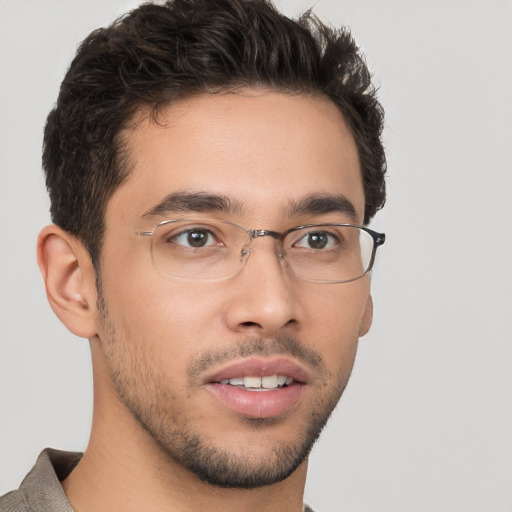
x=159, y=53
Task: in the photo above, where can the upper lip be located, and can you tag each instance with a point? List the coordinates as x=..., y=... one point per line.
x=260, y=367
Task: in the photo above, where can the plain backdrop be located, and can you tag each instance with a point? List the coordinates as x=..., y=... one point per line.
x=426, y=421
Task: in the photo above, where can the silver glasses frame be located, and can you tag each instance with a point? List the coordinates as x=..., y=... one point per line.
x=378, y=240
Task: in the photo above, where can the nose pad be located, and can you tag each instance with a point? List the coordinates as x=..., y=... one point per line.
x=244, y=253
x=246, y=250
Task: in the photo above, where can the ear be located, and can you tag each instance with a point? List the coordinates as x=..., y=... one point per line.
x=366, y=320
x=69, y=278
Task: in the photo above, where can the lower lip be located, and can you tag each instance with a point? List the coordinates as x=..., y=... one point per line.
x=258, y=404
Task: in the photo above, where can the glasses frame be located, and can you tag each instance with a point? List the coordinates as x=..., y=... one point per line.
x=378, y=240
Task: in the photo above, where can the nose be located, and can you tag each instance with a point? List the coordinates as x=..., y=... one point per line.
x=263, y=299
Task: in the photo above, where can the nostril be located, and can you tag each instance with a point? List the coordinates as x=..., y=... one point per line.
x=251, y=324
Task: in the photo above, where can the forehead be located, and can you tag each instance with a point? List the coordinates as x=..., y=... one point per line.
x=262, y=150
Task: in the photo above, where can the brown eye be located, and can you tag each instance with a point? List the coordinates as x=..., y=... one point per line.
x=317, y=240
x=195, y=238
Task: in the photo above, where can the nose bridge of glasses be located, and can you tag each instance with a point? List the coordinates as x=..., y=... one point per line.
x=260, y=233
x=257, y=233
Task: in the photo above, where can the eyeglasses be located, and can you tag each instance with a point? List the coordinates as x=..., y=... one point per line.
x=212, y=250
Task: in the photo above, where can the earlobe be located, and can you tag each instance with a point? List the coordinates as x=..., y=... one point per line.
x=69, y=280
x=366, y=320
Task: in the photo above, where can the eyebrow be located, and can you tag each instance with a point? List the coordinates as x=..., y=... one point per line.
x=202, y=202
x=319, y=204
x=199, y=202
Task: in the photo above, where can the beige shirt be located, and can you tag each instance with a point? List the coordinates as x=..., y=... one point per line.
x=41, y=491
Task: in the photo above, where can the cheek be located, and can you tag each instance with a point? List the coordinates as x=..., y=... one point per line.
x=334, y=319
x=338, y=304
x=173, y=318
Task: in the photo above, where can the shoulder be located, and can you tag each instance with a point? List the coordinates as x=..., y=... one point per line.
x=41, y=489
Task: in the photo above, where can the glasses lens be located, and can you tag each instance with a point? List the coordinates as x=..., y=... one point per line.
x=329, y=253
x=199, y=250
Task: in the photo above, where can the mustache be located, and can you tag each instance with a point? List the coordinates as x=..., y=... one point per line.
x=285, y=345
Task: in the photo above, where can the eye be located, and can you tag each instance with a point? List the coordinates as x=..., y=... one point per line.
x=195, y=238
x=317, y=240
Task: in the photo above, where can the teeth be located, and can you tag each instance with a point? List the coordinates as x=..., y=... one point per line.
x=269, y=382
x=252, y=382
x=266, y=382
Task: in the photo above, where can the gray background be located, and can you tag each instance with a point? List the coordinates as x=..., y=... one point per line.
x=426, y=421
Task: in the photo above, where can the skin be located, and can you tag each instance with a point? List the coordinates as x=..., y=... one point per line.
x=264, y=150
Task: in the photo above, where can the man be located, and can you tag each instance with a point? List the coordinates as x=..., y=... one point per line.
x=211, y=167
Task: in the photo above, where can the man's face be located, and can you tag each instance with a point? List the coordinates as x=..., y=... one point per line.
x=171, y=346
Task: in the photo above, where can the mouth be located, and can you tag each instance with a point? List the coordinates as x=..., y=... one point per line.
x=259, y=388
